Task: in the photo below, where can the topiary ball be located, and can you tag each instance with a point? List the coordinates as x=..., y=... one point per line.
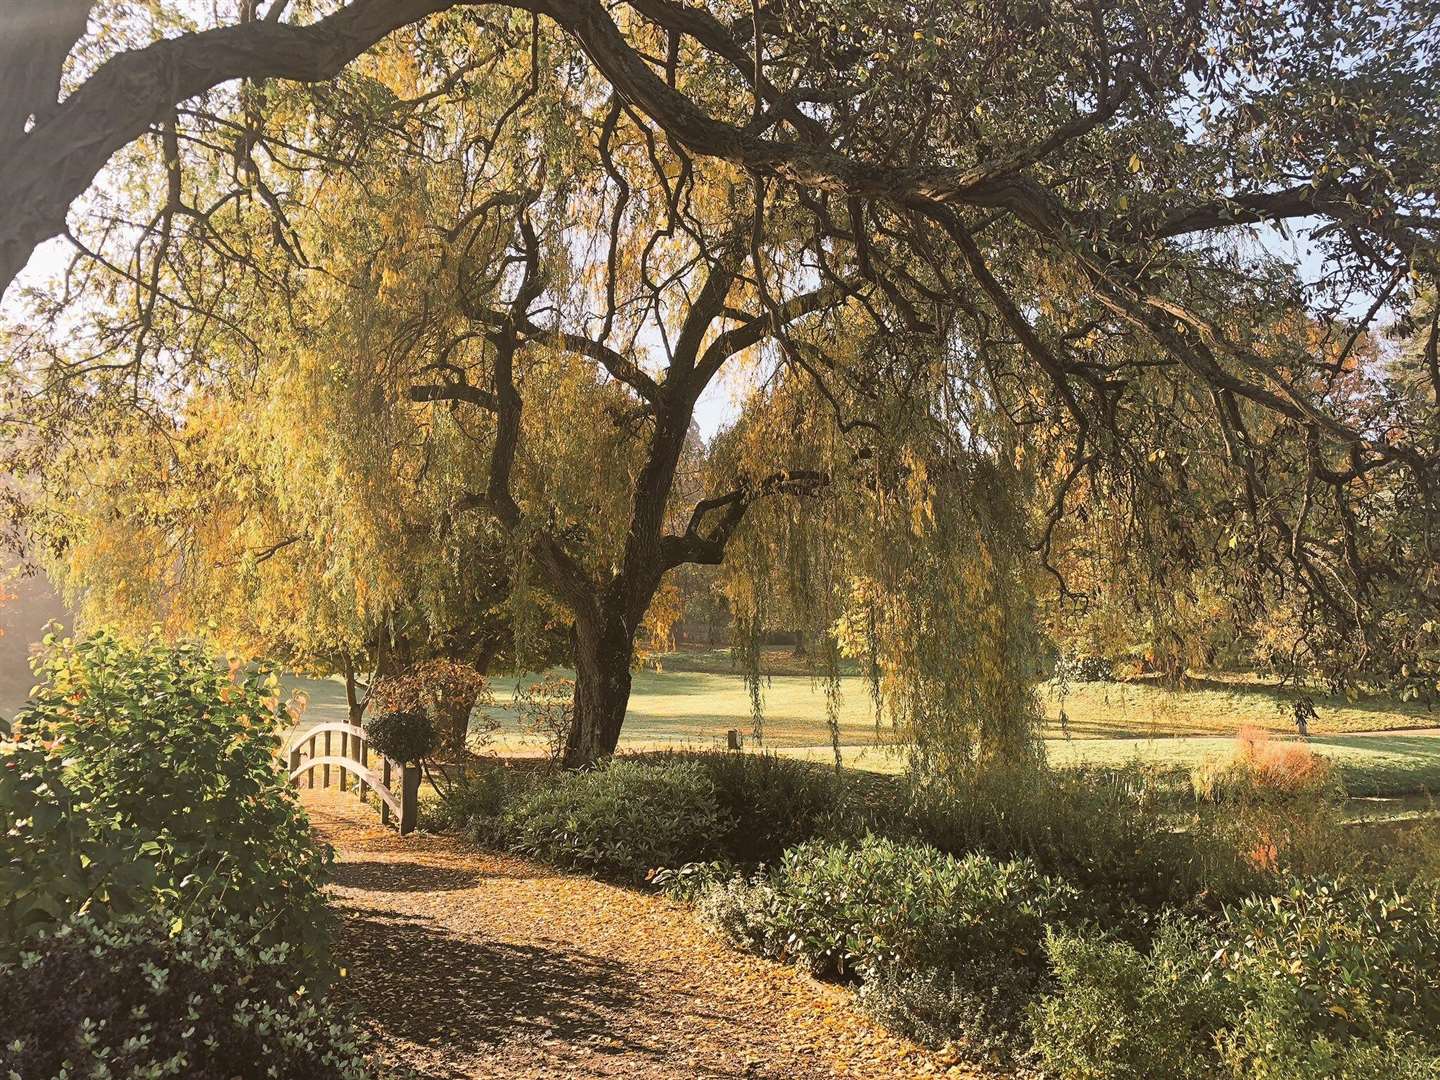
x=404, y=737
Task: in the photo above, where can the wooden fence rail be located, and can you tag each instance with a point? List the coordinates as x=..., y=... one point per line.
x=353, y=760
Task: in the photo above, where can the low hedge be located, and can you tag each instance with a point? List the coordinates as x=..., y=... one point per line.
x=767, y=803
x=885, y=904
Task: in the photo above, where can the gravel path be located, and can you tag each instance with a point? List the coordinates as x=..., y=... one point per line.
x=473, y=964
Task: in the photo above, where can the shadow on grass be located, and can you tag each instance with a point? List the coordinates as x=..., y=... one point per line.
x=464, y=995
x=1284, y=696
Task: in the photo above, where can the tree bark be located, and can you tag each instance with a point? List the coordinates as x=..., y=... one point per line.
x=354, y=701
x=43, y=171
x=604, y=651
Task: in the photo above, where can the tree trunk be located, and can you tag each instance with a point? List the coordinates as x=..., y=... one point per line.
x=353, y=701
x=602, y=689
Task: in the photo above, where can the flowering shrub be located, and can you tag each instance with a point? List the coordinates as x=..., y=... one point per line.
x=148, y=996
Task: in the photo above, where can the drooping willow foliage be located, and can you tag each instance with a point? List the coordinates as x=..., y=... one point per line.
x=911, y=561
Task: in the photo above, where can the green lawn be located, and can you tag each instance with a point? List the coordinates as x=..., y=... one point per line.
x=1212, y=705
x=695, y=699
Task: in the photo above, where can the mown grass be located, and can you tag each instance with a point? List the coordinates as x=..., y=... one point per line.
x=695, y=698
x=1211, y=704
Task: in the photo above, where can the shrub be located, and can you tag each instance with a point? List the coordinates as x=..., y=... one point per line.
x=1326, y=979
x=1344, y=961
x=1103, y=835
x=405, y=737
x=853, y=909
x=621, y=819
x=1265, y=770
x=769, y=803
x=982, y=1012
x=474, y=801
x=743, y=910
x=691, y=881
x=144, y=776
x=948, y=950
x=148, y=996
x=1119, y=1013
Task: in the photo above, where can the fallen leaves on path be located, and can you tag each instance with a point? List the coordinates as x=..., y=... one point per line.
x=474, y=964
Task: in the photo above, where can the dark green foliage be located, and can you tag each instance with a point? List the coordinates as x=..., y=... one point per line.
x=145, y=776
x=769, y=803
x=621, y=819
x=1094, y=832
x=475, y=801
x=405, y=737
x=148, y=996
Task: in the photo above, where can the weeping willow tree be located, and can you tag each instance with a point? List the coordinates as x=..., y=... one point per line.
x=910, y=560
x=983, y=265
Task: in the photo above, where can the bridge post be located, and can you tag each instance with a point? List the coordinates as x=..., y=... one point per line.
x=325, y=779
x=362, y=752
x=409, y=798
x=385, y=776
x=295, y=762
x=310, y=772
x=344, y=752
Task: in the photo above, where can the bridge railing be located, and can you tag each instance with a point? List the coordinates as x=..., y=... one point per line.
x=315, y=750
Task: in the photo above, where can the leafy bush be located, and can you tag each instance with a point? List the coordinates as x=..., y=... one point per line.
x=621, y=819
x=1103, y=835
x=1119, y=1013
x=769, y=803
x=983, y=1011
x=691, y=881
x=744, y=911
x=146, y=996
x=475, y=801
x=146, y=776
x=854, y=909
x=405, y=737
x=1322, y=980
x=1345, y=961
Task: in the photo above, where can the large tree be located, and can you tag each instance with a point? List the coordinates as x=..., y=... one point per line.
x=1026, y=231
